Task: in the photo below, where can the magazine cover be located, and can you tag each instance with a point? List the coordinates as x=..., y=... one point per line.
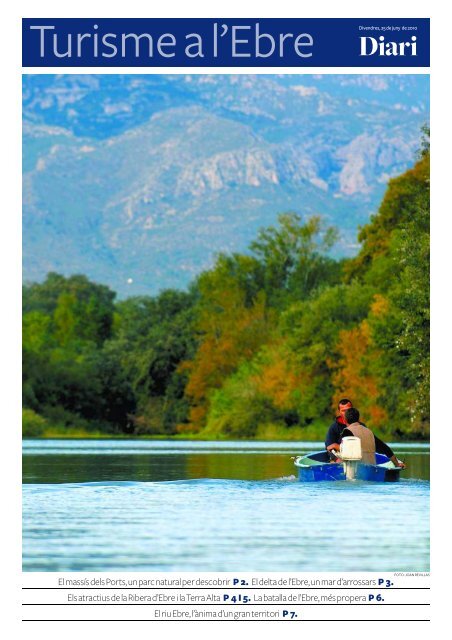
x=225, y=320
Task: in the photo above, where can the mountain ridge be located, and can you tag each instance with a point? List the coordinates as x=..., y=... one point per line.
x=143, y=201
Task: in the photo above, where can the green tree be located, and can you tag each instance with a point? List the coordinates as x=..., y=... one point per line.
x=293, y=258
x=81, y=310
x=151, y=338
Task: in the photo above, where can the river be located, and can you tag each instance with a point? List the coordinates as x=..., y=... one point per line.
x=141, y=505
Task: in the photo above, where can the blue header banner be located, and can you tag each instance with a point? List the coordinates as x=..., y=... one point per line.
x=231, y=42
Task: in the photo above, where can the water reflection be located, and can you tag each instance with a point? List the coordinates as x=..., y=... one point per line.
x=89, y=461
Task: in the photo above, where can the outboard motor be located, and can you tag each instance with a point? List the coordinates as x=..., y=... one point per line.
x=350, y=454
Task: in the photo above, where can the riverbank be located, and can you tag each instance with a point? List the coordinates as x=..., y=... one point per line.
x=37, y=427
x=315, y=434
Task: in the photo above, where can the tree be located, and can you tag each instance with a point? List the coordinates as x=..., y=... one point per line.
x=262, y=391
x=394, y=214
x=354, y=374
x=151, y=338
x=82, y=311
x=312, y=329
x=394, y=261
x=293, y=258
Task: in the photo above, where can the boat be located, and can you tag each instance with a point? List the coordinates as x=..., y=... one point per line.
x=317, y=466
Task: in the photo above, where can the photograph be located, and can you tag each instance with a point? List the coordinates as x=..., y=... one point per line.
x=226, y=322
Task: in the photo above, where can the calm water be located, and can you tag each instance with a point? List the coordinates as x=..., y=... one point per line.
x=214, y=506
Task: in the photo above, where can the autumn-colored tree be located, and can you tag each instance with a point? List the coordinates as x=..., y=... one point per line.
x=276, y=377
x=262, y=391
x=353, y=373
x=232, y=329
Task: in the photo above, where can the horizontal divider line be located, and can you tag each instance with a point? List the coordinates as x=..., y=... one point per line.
x=224, y=604
x=226, y=620
x=234, y=588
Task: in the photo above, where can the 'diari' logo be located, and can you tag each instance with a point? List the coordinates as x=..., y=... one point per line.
x=373, y=46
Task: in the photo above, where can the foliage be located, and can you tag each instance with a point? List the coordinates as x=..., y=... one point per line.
x=33, y=425
x=241, y=298
x=354, y=372
x=80, y=310
x=231, y=332
x=262, y=391
x=394, y=260
x=151, y=338
x=293, y=259
x=313, y=329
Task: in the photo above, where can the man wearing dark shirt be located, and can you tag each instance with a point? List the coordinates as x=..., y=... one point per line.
x=350, y=416
x=333, y=437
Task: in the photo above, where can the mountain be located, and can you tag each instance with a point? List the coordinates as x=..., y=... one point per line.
x=137, y=181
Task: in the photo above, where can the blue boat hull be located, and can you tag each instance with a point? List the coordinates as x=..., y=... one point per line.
x=315, y=467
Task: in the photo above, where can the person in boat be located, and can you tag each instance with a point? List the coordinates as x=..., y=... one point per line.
x=370, y=444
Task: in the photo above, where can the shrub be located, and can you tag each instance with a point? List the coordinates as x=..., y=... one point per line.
x=33, y=425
